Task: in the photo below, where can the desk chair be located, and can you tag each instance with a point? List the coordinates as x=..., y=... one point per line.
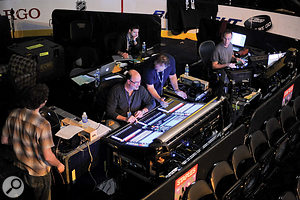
x=222, y=178
x=199, y=190
x=205, y=51
x=82, y=53
x=100, y=101
x=110, y=44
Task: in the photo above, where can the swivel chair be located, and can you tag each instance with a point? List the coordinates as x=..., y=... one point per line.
x=100, y=101
x=222, y=178
x=81, y=52
x=205, y=51
x=241, y=160
x=199, y=190
x=110, y=45
x=296, y=107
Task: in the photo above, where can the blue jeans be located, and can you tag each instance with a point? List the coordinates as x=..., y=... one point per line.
x=40, y=185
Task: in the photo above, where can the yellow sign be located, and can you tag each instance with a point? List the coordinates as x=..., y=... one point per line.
x=44, y=53
x=34, y=46
x=73, y=175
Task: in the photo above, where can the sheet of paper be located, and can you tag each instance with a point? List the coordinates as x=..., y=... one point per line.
x=113, y=77
x=68, y=132
x=101, y=129
x=83, y=79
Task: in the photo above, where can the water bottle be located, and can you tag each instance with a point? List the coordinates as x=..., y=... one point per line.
x=186, y=70
x=84, y=120
x=144, y=48
x=97, y=78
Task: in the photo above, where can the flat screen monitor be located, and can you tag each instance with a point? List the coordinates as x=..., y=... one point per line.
x=238, y=39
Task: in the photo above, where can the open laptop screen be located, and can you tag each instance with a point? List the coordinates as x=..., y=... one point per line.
x=238, y=39
x=104, y=69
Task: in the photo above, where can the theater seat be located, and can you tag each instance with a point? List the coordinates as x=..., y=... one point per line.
x=258, y=145
x=274, y=131
x=288, y=119
x=291, y=126
x=199, y=190
x=277, y=139
x=242, y=160
x=296, y=107
x=288, y=196
x=222, y=178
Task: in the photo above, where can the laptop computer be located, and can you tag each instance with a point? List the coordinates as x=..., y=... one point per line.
x=238, y=41
x=104, y=69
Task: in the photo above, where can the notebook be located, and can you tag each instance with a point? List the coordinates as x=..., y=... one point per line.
x=104, y=69
x=238, y=41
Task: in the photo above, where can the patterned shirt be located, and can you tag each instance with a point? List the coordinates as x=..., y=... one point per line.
x=29, y=133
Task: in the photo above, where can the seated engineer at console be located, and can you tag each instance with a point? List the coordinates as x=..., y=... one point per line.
x=158, y=70
x=223, y=56
x=129, y=43
x=130, y=101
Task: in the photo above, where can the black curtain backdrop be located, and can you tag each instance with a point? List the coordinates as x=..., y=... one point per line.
x=104, y=23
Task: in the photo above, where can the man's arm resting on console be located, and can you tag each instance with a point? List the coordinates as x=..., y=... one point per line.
x=174, y=83
x=216, y=65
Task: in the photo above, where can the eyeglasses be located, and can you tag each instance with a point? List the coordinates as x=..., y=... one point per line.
x=135, y=82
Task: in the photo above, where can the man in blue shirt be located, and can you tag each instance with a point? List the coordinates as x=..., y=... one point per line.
x=156, y=75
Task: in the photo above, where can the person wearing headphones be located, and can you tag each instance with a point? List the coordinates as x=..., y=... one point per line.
x=159, y=69
x=129, y=101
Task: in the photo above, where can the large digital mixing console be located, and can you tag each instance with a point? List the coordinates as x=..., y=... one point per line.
x=165, y=139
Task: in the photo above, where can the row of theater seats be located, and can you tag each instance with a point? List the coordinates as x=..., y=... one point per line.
x=251, y=165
